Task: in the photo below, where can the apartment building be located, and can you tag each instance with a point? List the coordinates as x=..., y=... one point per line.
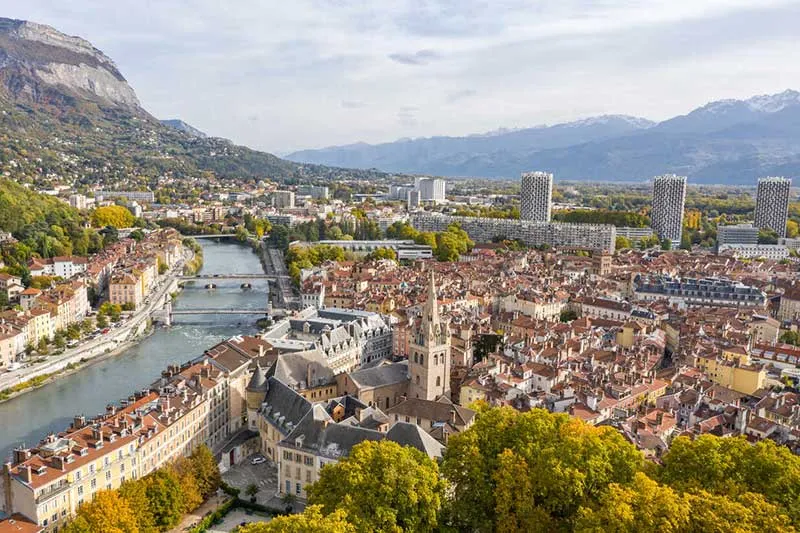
x=531, y=233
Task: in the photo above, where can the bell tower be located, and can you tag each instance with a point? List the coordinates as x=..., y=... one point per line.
x=429, y=352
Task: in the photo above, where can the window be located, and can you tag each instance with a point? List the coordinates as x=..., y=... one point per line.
x=80, y=490
x=438, y=381
x=308, y=476
x=108, y=475
x=288, y=486
x=308, y=461
x=297, y=488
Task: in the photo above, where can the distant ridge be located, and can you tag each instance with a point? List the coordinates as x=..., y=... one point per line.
x=727, y=141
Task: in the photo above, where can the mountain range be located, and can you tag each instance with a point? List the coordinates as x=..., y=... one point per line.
x=728, y=141
x=66, y=111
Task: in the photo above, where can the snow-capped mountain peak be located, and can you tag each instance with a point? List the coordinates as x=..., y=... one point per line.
x=772, y=103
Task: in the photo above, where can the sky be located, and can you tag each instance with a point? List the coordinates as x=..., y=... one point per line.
x=286, y=75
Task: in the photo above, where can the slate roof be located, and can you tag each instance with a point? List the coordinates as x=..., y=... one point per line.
x=282, y=401
x=386, y=374
x=407, y=434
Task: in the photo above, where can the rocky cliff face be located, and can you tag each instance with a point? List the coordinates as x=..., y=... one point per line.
x=42, y=65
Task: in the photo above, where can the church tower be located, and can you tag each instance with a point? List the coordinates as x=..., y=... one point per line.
x=429, y=352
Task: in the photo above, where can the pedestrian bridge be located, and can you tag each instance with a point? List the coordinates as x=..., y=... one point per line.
x=212, y=277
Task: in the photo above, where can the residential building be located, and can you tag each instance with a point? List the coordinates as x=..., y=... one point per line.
x=64, y=267
x=78, y=201
x=317, y=192
x=669, y=196
x=404, y=249
x=283, y=199
x=147, y=197
x=776, y=252
x=125, y=288
x=554, y=234
x=430, y=189
x=732, y=368
x=772, y=204
x=536, y=193
x=737, y=234
x=413, y=200
x=693, y=292
x=634, y=234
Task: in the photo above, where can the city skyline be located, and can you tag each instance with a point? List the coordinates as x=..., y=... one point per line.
x=357, y=74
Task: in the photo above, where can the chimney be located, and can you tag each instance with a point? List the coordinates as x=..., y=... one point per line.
x=21, y=455
x=309, y=375
x=58, y=462
x=25, y=472
x=453, y=417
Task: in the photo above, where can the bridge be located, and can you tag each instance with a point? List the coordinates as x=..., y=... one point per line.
x=210, y=236
x=229, y=311
x=227, y=276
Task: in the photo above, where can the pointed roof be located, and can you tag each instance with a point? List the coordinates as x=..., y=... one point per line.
x=431, y=309
x=258, y=383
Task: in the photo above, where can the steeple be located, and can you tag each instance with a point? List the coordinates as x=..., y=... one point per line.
x=430, y=327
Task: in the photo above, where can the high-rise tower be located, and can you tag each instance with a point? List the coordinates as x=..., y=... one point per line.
x=535, y=196
x=772, y=204
x=429, y=352
x=669, y=197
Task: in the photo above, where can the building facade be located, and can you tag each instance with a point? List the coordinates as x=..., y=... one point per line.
x=536, y=193
x=669, y=197
x=772, y=204
x=429, y=357
x=737, y=234
x=555, y=234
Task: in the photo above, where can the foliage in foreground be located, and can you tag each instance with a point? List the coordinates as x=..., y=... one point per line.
x=153, y=503
x=539, y=471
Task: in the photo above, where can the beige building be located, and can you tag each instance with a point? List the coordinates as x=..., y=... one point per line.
x=125, y=288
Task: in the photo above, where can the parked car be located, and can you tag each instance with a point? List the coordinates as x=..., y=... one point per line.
x=258, y=460
x=106, y=330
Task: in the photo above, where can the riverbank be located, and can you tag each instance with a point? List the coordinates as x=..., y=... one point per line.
x=130, y=333
x=41, y=380
x=133, y=366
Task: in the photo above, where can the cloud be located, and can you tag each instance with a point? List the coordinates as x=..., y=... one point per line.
x=422, y=57
x=455, y=96
x=328, y=72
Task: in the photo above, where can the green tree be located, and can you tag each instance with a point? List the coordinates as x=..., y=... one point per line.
x=562, y=464
x=41, y=347
x=623, y=243
x=251, y=490
x=165, y=498
x=106, y=513
x=382, y=487
x=183, y=469
x=666, y=244
x=134, y=492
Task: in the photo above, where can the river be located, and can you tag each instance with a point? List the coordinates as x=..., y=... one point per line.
x=31, y=416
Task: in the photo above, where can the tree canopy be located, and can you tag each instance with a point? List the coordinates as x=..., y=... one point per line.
x=382, y=487
x=112, y=215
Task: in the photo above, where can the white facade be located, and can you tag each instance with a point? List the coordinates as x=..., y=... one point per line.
x=772, y=204
x=430, y=189
x=536, y=195
x=669, y=197
x=737, y=234
x=767, y=251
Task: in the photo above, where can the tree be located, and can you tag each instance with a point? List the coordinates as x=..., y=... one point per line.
x=115, y=216
x=562, y=464
x=106, y=513
x=310, y=521
x=567, y=315
x=134, y=492
x=732, y=466
x=383, y=253
x=666, y=244
x=190, y=492
x=137, y=235
x=165, y=498
x=622, y=243
x=206, y=471
x=792, y=229
x=251, y=490
x=767, y=236
x=382, y=486
x=644, y=506
x=41, y=347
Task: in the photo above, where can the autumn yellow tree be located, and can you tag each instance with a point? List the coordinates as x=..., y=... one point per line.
x=190, y=491
x=310, y=521
x=106, y=513
x=116, y=216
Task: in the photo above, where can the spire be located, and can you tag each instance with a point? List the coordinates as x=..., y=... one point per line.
x=258, y=383
x=431, y=311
